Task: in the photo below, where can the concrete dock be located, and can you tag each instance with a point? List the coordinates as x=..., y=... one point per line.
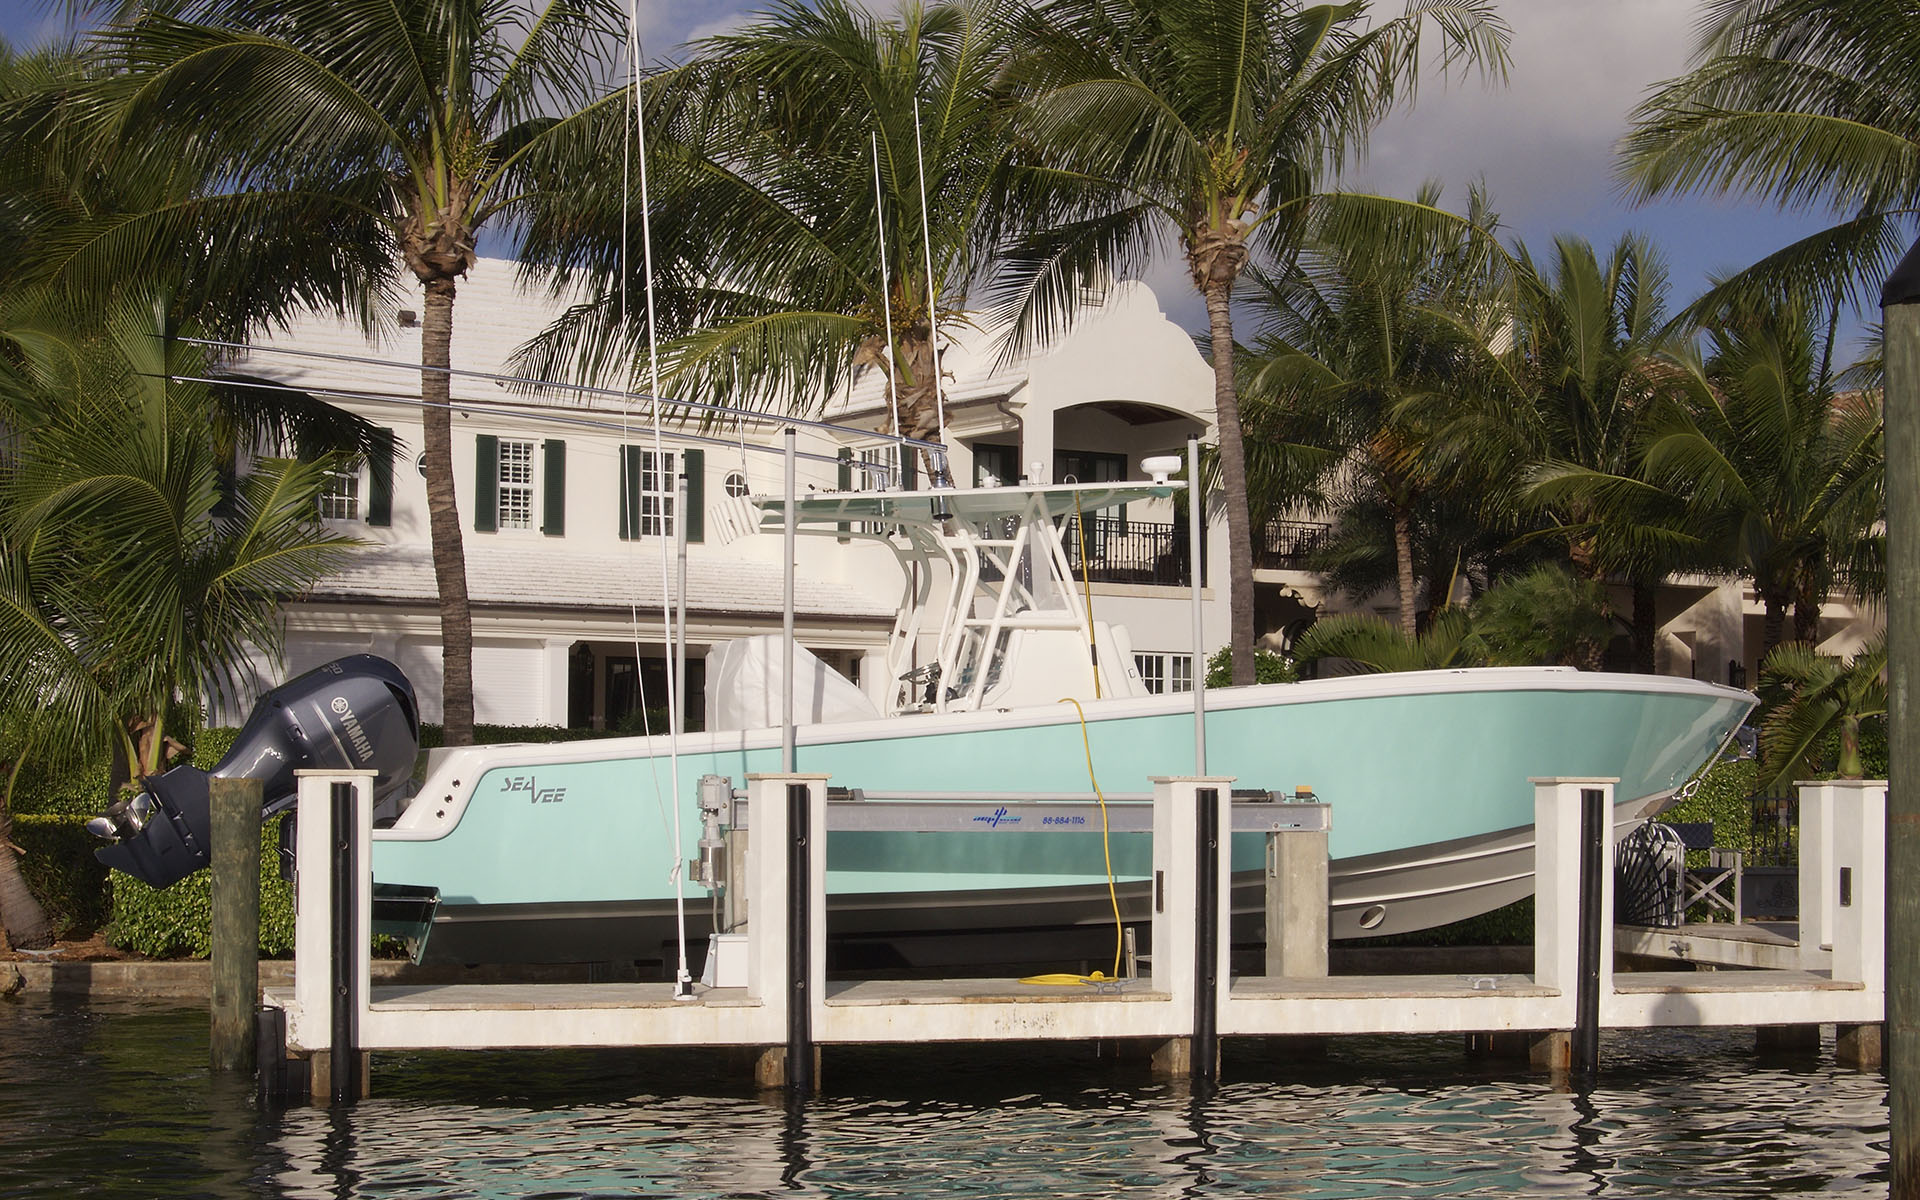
x=1184, y=1006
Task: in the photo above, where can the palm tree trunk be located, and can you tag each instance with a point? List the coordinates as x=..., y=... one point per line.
x=1850, y=765
x=1774, y=624
x=1403, y=565
x=1806, y=613
x=1233, y=474
x=1589, y=654
x=1646, y=625
x=443, y=515
x=919, y=399
x=21, y=915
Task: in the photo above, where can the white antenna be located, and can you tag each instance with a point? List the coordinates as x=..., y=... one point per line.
x=886, y=302
x=933, y=297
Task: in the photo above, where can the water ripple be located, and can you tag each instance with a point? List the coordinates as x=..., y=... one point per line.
x=114, y=1100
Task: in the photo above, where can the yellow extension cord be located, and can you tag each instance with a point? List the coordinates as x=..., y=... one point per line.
x=1064, y=978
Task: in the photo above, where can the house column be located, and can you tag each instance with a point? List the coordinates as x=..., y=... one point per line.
x=554, y=658
x=1718, y=624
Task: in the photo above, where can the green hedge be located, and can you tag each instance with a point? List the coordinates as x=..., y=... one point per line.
x=61, y=871
x=1723, y=799
x=178, y=922
x=73, y=791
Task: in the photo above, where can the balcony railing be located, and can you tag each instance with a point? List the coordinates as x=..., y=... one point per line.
x=1286, y=545
x=1123, y=551
x=1119, y=550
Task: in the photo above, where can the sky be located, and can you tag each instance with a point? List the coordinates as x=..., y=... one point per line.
x=1543, y=144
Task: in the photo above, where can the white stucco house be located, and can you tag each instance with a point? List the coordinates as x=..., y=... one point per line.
x=565, y=574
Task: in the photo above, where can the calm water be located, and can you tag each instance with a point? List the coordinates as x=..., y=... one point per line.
x=115, y=1100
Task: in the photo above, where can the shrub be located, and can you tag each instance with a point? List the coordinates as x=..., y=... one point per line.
x=1268, y=667
x=178, y=922
x=60, y=869
x=67, y=791
x=1723, y=799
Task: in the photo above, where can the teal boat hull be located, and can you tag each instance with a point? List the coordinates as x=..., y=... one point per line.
x=567, y=850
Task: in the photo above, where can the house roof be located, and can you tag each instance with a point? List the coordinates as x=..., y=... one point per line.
x=495, y=313
x=534, y=576
x=970, y=356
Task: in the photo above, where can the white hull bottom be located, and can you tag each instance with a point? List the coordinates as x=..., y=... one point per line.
x=1371, y=896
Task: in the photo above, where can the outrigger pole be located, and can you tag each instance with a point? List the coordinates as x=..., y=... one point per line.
x=1196, y=528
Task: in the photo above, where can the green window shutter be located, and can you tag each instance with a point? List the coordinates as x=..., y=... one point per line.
x=693, y=464
x=553, y=471
x=909, y=469
x=629, y=492
x=843, y=479
x=486, y=483
x=380, y=481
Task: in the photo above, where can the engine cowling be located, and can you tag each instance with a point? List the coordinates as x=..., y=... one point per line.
x=355, y=713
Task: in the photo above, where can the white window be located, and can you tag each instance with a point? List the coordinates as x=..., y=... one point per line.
x=1163, y=673
x=656, y=494
x=340, y=499
x=516, y=485
x=736, y=484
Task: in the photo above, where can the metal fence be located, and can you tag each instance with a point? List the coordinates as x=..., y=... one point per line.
x=1775, y=841
x=1122, y=551
x=1119, y=550
x=1286, y=545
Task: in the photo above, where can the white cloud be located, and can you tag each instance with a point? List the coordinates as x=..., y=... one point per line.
x=1545, y=142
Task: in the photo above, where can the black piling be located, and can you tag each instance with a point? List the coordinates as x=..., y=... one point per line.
x=281, y=1080
x=1206, y=938
x=1586, y=1028
x=799, y=940
x=344, y=1054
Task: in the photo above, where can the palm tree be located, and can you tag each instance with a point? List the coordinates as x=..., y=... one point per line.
x=1209, y=123
x=85, y=218
x=407, y=126
x=769, y=245
x=1779, y=474
x=1590, y=337
x=1808, y=104
x=136, y=585
x=1366, y=337
x=1459, y=535
x=71, y=204
x=1827, y=696
x=1369, y=645
x=1545, y=615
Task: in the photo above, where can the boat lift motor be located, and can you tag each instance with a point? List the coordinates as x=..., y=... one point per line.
x=355, y=713
x=716, y=797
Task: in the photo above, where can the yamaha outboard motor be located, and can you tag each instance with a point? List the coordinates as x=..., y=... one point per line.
x=354, y=713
